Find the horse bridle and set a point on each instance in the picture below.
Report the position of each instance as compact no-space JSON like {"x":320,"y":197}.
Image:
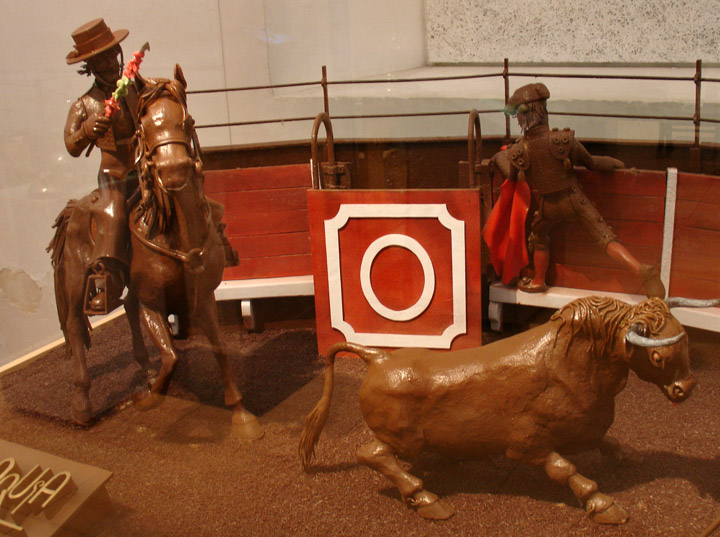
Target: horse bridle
{"x":147,"y":171}
{"x":144,"y":151}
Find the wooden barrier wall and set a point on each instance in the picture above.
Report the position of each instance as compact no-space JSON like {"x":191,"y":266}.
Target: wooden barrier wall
{"x":267,"y":219}
{"x":696,"y":246}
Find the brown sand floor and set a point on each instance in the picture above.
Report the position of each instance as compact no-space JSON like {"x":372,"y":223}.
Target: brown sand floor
{"x":179,"y":471}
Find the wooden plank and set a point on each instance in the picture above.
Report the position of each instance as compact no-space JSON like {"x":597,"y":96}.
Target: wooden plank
{"x":622,"y":182}
{"x":262,"y":201}
{"x":630,"y":233}
{"x":622,"y":207}
{"x":630,"y":208}
{"x":270,"y":267}
{"x":261,"y":178}
{"x":589,"y":254}
{"x":697,"y":187}
{"x":690,"y":242}
{"x":595,"y":278}
{"x":698,"y":214}
{"x":272,"y":245}
{"x":243,"y":224}
{"x":691,"y":287}
{"x":698,"y":266}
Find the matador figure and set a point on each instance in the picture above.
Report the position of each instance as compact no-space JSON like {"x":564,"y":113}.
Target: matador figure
{"x":546,"y":158}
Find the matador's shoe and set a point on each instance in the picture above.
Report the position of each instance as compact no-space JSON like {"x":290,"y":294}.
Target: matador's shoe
{"x":652,"y":284}
{"x":526,"y":284}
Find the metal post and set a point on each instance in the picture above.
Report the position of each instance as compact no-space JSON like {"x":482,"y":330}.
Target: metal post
{"x":326,"y":101}
{"x":506,"y":80}
{"x":695,"y":160}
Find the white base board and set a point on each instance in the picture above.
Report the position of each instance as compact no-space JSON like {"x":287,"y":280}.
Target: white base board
{"x":30,"y":357}
{"x":557,"y":297}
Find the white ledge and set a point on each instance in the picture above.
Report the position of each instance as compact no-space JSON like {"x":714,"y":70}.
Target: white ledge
{"x":557,"y":297}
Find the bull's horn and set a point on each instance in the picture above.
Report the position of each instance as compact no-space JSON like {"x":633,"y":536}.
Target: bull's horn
{"x":641,"y":341}
{"x":680,"y":302}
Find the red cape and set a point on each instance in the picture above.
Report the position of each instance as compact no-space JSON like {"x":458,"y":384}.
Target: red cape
{"x":504,"y":232}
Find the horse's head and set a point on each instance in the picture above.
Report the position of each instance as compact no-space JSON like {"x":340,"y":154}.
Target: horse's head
{"x":167,"y":149}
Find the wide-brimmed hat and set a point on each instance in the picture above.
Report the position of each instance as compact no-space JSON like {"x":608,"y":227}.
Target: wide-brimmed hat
{"x":526,"y":94}
{"x":93,"y":38}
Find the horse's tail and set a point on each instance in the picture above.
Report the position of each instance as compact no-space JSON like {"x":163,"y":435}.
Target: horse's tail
{"x":315,"y":421}
{"x":57,"y":249}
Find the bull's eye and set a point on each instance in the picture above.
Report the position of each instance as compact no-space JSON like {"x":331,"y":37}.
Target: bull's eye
{"x":657,"y":360}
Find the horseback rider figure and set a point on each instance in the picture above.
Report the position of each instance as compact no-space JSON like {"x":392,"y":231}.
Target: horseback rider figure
{"x":88,"y":126}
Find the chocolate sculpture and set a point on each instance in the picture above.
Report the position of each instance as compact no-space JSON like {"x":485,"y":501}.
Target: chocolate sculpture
{"x":88,"y":126}
{"x":534,"y":396}
{"x":178,"y":254}
{"x":546,"y":158}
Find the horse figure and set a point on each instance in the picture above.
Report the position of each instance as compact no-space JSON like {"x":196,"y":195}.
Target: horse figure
{"x":177,"y":254}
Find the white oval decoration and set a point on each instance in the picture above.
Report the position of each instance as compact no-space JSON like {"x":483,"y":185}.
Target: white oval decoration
{"x":428,"y":271}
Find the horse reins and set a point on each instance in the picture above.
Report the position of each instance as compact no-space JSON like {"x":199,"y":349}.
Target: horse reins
{"x":192,"y":258}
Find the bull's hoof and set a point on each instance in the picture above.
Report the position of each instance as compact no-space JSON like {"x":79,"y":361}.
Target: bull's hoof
{"x":627,"y":456}
{"x":151,"y":376}
{"x":619,"y":453}
{"x":245,"y":425}
{"x":146,"y":400}
{"x":429,"y":506}
{"x":604,"y":510}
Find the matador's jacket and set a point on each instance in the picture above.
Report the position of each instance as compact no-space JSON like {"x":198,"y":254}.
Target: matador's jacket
{"x":546,"y":158}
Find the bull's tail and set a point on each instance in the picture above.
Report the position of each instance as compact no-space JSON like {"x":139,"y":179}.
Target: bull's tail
{"x":315,"y":421}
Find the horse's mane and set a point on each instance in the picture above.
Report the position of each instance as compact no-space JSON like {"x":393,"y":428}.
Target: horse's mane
{"x":155,"y":209}
{"x":598,"y":319}
{"x":153,"y":88}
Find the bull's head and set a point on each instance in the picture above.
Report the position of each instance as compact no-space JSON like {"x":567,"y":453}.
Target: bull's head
{"x":657,"y":346}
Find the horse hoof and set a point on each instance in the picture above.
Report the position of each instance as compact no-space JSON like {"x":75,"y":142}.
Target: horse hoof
{"x":604,"y":510}
{"x":146,"y":400}
{"x":150,"y":377}
{"x":246,"y":426}
{"x":429,"y":506}
{"x":82,"y":416}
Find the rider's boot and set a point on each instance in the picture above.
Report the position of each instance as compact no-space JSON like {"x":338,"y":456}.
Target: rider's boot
{"x":106,"y":274}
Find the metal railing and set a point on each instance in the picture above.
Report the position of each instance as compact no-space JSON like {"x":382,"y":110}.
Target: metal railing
{"x":696,"y":119}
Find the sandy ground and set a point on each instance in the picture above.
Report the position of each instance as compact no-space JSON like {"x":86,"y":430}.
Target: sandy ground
{"x":179,"y":470}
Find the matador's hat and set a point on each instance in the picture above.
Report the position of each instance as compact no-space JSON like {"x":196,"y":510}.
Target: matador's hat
{"x":524,"y":95}
{"x":93,"y":38}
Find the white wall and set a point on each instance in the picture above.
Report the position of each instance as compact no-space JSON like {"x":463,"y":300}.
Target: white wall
{"x":573,"y":31}
{"x":218,"y":43}
{"x":232,"y":43}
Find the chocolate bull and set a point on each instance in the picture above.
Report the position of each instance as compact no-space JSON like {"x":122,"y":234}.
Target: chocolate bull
{"x":535,"y":396}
